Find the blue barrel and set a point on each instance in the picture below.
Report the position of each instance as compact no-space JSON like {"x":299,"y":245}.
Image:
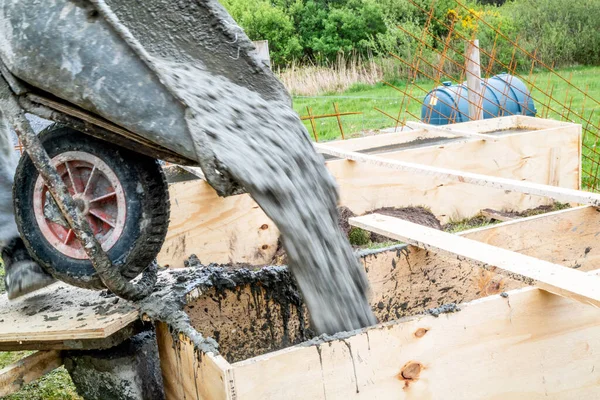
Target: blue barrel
{"x":503,"y":95}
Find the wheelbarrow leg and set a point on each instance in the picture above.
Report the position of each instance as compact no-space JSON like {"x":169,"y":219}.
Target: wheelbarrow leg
{"x":109,"y":274}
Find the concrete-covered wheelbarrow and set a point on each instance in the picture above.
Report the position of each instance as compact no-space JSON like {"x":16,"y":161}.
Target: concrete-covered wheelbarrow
{"x":91,"y":200}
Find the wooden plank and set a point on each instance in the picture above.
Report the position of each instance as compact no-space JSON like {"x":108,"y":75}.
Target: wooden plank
{"x":511,"y":122}
{"x":530,"y":345}
{"x":514,"y":122}
{"x":413,"y":280}
{"x":498,"y":124}
{"x":230,"y":230}
{"x":191,"y":374}
{"x":449,"y":130}
{"x":234,"y":315}
{"x":502,"y":124}
{"x":387,"y":140}
{"x":522,"y":156}
{"x":27,"y":370}
{"x":169,"y":362}
{"x":566,"y":237}
{"x":526,"y":122}
{"x":548,"y":276}
{"x":216,"y":229}
{"x":409,"y":280}
{"x":60,"y":314}
{"x":530,"y":188}
{"x":554,"y":175}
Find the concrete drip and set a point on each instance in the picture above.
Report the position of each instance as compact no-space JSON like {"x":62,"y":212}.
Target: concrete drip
{"x":174,"y":288}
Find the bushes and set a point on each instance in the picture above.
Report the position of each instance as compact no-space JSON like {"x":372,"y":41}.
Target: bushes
{"x":317,"y":31}
{"x":562,"y":32}
{"x":329,"y":28}
{"x":558,"y":32}
{"x":320,"y":30}
{"x":263,"y":21}
{"x":346,"y":29}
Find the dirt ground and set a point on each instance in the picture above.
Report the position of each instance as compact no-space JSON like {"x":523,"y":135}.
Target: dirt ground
{"x":422,"y":216}
{"x":480,"y":220}
{"x":418,"y":215}
{"x":532,"y":211}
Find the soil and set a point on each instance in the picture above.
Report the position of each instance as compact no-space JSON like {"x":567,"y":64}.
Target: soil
{"x":479,"y":220}
{"x":469,"y":223}
{"x":532,"y":211}
{"x":344,"y":215}
{"x":418,"y":215}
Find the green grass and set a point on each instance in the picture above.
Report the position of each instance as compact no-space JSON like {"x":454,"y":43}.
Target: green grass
{"x":56,"y":385}
{"x":468,"y":223}
{"x":364,"y":98}
{"x":360,"y":98}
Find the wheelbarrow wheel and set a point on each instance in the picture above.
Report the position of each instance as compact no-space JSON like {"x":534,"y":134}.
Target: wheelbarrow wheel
{"x":124,"y":196}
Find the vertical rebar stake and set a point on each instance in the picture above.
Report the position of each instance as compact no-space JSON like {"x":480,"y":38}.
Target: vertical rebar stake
{"x":339,"y":119}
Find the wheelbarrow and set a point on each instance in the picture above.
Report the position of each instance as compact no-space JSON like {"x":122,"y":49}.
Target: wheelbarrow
{"x":91,"y":199}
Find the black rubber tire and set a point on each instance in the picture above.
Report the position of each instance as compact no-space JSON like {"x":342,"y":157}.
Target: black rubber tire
{"x":147,"y":199}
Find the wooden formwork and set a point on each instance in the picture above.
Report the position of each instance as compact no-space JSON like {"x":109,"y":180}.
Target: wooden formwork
{"x":235,"y":229}
{"x":527,"y":324}
{"x":509,"y":340}
{"x":525,"y":328}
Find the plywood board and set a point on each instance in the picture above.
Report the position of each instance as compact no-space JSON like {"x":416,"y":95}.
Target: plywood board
{"x":216,"y":229}
{"x":410,"y":280}
{"x":502,"y":125}
{"x":238,"y":319}
{"x":555,"y":278}
{"x":541,"y":342}
{"x":520,"y":122}
{"x":189,"y":374}
{"x":390,"y":141}
{"x":61,"y":316}
{"x":236,"y":230}
{"x":443,"y":129}
{"x":530,"y":345}
{"x":522,"y":156}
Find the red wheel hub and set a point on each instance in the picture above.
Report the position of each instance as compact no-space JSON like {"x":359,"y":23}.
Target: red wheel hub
{"x":97,"y":192}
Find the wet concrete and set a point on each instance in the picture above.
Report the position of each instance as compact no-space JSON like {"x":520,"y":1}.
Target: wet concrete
{"x":444,"y":309}
{"x":244,"y":131}
{"x":256,"y":316}
{"x":176,"y":288}
{"x":265,"y":147}
{"x":130,"y":371}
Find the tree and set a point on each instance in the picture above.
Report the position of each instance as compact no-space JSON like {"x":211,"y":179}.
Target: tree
{"x":263,"y":21}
